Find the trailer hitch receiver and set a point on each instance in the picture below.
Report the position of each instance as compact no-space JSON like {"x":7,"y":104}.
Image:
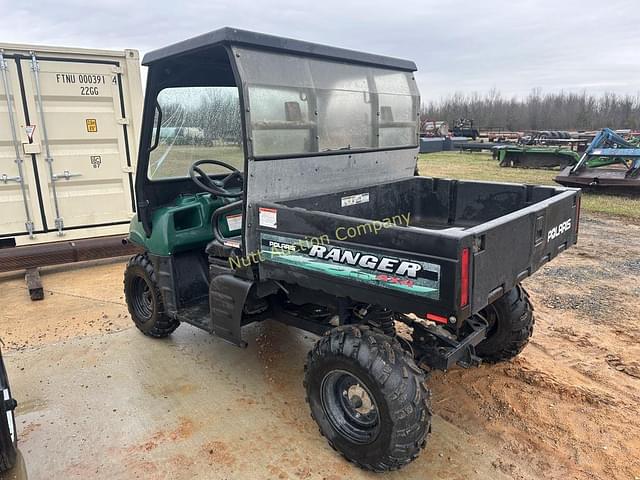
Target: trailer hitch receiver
{"x":437,"y":349}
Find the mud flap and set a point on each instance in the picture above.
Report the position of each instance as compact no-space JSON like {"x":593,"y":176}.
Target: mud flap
{"x":227,"y":296}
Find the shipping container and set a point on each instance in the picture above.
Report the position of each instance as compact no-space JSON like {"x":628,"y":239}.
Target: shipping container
{"x":69,"y":123}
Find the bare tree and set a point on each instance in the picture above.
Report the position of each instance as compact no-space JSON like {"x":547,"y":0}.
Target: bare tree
{"x":538,"y":111}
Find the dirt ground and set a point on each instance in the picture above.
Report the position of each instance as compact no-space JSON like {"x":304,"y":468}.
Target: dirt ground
{"x":567,"y":407}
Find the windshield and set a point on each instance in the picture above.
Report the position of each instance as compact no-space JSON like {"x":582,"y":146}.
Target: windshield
{"x":195,"y":123}
{"x":301,"y":105}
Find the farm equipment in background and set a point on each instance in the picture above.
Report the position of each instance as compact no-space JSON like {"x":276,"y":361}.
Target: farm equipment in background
{"x":500,"y":134}
{"x":547,"y":137}
{"x":610,"y":162}
{"x":433,"y":128}
{"x":463,"y":127}
{"x":478,"y":146}
{"x":534,"y":156}
{"x":542,"y":149}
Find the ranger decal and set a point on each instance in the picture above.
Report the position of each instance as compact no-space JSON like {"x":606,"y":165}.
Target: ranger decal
{"x":407,"y":275}
{"x":371,"y":262}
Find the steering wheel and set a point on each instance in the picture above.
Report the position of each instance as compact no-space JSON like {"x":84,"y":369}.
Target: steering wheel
{"x":215,"y":187}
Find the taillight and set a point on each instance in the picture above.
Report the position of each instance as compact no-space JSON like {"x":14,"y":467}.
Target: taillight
{"x":437,"y":318}
{"x":464,"y":277}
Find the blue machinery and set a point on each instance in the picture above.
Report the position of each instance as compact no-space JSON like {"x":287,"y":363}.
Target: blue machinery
{"x":610,"y":162}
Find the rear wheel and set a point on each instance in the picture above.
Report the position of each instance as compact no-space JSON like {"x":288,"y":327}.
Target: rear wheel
{"x":368,"y":397}
{"x":144,"y":300}
{"x":511,"y":322}
{"x":8,"y":432}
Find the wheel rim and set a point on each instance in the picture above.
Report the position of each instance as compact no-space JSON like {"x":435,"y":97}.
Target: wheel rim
{"x":142,"y":298}
{"x":350,"y":407}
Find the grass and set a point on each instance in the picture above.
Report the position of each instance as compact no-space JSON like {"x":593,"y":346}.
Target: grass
{"x":480,"y":166}
{"x":470,"y":166}
{"x":174,"y":161}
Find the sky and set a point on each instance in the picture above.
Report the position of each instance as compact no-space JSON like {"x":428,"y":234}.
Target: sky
{"x":462,"y":46}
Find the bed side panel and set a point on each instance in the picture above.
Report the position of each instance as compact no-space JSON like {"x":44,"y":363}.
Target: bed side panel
{"x":513,"y":247}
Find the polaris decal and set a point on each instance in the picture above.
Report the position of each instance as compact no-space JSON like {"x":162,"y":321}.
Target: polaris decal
{"x":407,"y":275}
{"x":559,"y":230}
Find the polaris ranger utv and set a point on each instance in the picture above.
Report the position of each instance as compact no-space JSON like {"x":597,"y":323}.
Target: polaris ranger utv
{"x":275,"y":179}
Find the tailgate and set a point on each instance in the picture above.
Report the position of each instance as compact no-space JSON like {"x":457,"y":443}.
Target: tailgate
{"x":509,"y":249}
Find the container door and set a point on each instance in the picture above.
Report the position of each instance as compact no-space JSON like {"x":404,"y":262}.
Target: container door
{"x":83,"y":154}
{"x":19,"y":206}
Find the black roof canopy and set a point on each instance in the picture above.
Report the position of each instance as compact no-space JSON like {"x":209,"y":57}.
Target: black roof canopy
{"x":234,"y":36}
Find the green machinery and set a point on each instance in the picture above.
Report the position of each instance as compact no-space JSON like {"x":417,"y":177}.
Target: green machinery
{"x":535,"y":156}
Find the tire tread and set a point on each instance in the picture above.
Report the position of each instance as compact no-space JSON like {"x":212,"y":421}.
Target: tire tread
{"x":163,"y":325}
{"x":403,"y":387}
{"x":519,"y":322}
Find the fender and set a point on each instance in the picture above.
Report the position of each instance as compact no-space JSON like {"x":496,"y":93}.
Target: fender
{"x":227,"y":296}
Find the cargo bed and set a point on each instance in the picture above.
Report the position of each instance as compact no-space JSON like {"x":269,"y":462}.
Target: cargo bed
{"x":507,"y":230}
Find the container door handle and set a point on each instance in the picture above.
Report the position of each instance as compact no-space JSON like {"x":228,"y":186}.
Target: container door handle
{"x":66,"y":175}
{"x":4,"y":178}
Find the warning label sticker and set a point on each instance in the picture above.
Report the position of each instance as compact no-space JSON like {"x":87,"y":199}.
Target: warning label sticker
{"x":234,"y":222}
{"x":92,"y":125}
{"x":268,"y":217}
{"x":354,"y":199}
{"x":30,"y":129}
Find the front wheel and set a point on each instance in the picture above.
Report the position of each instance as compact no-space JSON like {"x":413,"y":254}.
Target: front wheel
{"x":144,"y":300}
{"x":368,"y":398}
{"x":511,"y":322}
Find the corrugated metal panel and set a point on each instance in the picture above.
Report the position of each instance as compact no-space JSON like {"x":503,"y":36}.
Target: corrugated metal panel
{"x":77,"y":120}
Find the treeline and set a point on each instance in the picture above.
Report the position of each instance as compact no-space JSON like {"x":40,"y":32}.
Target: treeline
{"x":550,"y":111}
